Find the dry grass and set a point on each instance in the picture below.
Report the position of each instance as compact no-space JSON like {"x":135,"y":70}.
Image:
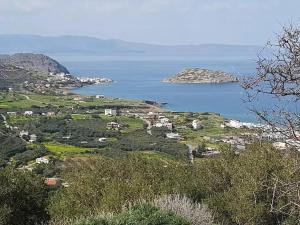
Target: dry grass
{"x":197,"y":214}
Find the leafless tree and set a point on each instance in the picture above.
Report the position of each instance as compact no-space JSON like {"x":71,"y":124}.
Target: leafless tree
{"x":278,"y":78}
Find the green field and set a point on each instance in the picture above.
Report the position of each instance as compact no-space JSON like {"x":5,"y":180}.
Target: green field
{"x":22,"y":101}
{"x":62,"y":149}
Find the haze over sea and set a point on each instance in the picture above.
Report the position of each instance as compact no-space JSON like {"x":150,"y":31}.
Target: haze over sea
{"x":140,"y":78}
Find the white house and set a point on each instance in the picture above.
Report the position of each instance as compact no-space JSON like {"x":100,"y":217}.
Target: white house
{"x":197,"y":124}
{"x":23,"y":133}
{"x":50,"y":114}
{"x":28,"y":113}
{"x":158,"y":125}
{"x":173,"y":135}
{"x":168,"y":125}
{"x":99,"y":96}
{"x":102,"y":140}
{"x":234,"y":124}
{"x":33,"y":138}
{"x":113,"y":126}
{"x":164,"y":120}
{"x":42,"y":160}
{"x":110,"y":112}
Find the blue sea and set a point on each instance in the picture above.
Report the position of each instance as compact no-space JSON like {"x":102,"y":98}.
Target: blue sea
{"x":141,"y":79}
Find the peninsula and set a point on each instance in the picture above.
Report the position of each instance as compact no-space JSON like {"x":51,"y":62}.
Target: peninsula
{"x":201,"y":76}
{"x":39,"y":73}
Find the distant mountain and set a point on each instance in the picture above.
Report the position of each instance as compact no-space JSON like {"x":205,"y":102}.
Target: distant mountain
{"x":35,"y":62}
{"x":10,"y":44}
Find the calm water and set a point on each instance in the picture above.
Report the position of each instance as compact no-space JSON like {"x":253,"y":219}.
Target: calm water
{"x":141,"y":79}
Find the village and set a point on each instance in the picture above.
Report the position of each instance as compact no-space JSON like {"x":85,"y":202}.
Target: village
{"x":80,"y":125}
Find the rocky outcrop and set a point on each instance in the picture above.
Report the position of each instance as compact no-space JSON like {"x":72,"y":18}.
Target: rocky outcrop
{"x":35,"y":62}
{"x":201,"y":76}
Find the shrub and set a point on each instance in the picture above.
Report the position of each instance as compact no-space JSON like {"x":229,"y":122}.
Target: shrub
{"x":196,"y":213}
{"x":142,"y":214}
{"x":23,"y":198}
{"x":107,"y":184}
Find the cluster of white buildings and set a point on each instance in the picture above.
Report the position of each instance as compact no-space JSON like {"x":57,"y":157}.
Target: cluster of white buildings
{"x":238,"y":124}
{"x":32,"y":137}
{"x":94,"y":80}
{"x":163,"y":121}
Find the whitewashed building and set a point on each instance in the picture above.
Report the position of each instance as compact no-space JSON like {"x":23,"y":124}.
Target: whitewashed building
{"x":28,"y":113}
{"x":110,"y":112}
{"x":23,"y":133}
{"x":33,"y":138}
{"x":102,"y":140}
{"x":173,"y":135}
{"x":197,"y":125}
{"x":42,"y":160}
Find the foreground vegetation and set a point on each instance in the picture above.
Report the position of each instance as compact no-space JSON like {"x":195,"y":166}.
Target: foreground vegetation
{"x":238,"y":189}
{"x":105,"y":182}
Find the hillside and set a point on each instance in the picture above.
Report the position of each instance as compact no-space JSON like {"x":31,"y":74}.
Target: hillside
{"x":32,"y":72}
{"x":10,"y":44}
{"x":201,"y":76}
{"x":36,"y":62}
{"x":12,"y":76}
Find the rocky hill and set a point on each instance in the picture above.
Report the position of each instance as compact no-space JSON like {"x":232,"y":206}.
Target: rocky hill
{"x":201,"y":76}
{"x":35,"y":62}
{"x":39,"y":73}
{"x":32,"y":72}
{"x":12,"y":76}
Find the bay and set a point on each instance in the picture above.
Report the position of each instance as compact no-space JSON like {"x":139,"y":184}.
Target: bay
{"x":141,"y":79}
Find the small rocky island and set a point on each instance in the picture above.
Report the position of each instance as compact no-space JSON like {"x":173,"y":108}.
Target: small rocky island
{"x":201,"y":76}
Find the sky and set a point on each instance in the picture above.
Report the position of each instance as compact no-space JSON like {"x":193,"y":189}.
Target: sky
{"x":171,"y":22}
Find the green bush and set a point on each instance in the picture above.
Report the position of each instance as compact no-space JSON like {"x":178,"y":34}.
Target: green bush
{"x":240,"y":189}
{"x":107,"y":184}
{"x":143,"y":214}
{"x":23,"y":198}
